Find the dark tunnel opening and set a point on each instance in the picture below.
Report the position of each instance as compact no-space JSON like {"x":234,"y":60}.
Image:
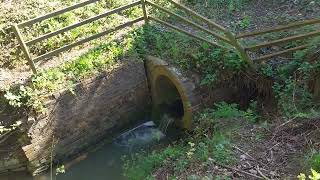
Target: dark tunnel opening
{"x":168,"y":99}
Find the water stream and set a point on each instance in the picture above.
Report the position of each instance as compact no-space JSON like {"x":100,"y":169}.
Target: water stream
{"x":104,"y":163}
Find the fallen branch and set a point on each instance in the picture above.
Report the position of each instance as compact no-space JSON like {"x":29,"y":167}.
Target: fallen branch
{"x":245,"y":153}
{"x":238,"y":170}
{"x":261,"y":174}
{"x":287,"y":122}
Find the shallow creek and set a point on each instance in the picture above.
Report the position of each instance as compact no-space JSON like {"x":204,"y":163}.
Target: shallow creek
{"x":105,"y":163}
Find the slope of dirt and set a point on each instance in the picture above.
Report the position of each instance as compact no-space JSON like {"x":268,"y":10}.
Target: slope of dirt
{"x":274,"y":151}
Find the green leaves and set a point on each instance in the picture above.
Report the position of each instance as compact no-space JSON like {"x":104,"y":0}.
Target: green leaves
{"x":314,"y":175}
{"x":25,"y":97}
{"x":14,"y":100}
{"x":12,"y":127}
{"x":60,"y":170}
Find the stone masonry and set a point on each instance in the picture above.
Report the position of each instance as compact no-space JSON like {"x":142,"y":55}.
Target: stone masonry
{"x":100,"y":107}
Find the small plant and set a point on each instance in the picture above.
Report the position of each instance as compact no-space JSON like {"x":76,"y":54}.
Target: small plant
{"x":12,"y":127}
{"x":221,"y":151}
{"x":60,"y":170}
{"x":226,"y":111}
{"x":314,"y":175}
{"x":140,"y":165}
{"x":267,"y":70}
{"x":315,"y":161}
{"x":191,"y":150}
{"x":202,"y":152}
{"x":24,"y":97}
{"x":251,"y":113}
{"x":245,"y":22}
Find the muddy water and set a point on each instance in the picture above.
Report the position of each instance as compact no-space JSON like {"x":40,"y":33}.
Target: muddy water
{"x":104,"y":163}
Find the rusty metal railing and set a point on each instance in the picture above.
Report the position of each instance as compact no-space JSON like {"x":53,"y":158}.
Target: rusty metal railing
{"x":215,"y":30}
{"x":227,"y":36}
{"x":24,"y":44}
{"x":282,"y":40}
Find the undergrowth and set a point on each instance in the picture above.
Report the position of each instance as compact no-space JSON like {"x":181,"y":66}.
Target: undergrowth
{"x":294,"y":84}
{"x":209,"y":143}
{"x":230,"y":5}
{"x":213,"y":64}
{"x":104,"y":57}
{"x":15,"y":12}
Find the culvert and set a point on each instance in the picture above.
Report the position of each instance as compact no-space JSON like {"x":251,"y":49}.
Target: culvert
{"x":172,"y":93}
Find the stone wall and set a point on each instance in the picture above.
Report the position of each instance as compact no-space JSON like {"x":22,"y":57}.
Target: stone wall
{"x":100,"y":107}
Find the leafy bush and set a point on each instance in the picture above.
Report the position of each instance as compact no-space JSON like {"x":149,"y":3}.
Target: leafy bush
{"x":213,"y":64}
{"x":314,"y":175}
{"x":315,"y":162}
{"x":292,"y":86}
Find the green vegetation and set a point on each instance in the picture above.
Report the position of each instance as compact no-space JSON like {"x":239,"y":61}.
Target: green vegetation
{"x":314,"y":175}
{"x":16,"y":12}
{"x":4,"y":130}
{"x":229,"y":5}
{"x":210,"y":143}
{"x":315,"y":162}
{"x":292,"y":84}
{"x":213,"y":64}
{"x":102,"y":58}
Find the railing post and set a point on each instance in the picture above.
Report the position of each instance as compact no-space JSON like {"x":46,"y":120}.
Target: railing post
{"x":243,"y":54}
{"x":144,"y":9}
{"x":24,"y":48}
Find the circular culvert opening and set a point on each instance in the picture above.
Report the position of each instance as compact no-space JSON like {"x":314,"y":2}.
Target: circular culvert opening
{"x":169,"y":107}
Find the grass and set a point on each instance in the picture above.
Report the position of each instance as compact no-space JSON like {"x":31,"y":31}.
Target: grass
{"x":15,"y":12}
{"x":104,"y":57}
{"x":139,"y":167}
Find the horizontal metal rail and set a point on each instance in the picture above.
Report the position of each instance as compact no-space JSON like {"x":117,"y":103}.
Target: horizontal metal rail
{"x":190,"y":23}
{"x":89,"y":20}
{"x":55,"y":13}
{"x":279,"y":28}
{"x":269,"y":56}
{"x":229,"y":39}
{"x":224,"y":35}
{"x":193,"y":13}
{"x":284,"y":40}
{"x":186,"y":32}
{"x":67,"y":47}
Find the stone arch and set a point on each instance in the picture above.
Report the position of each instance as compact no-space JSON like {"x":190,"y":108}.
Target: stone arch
{"x":171,"y":90}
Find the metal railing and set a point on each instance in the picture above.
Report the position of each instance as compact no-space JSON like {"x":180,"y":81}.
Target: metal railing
{"x":227,"y":36}
{"x":223,"y":34}
{"x":24,"y":44}
{"x":282,"y":40}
